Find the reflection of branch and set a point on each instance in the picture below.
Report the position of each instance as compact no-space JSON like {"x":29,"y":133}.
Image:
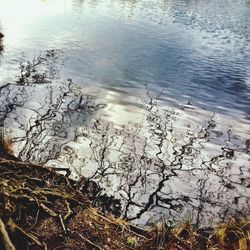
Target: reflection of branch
{"x":1,"y":43}
{"x":164,"y":162}
{"x":42,"y":69}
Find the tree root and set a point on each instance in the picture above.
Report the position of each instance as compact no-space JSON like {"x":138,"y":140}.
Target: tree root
{"x":14,"y":228}
{"x":5,"y":237}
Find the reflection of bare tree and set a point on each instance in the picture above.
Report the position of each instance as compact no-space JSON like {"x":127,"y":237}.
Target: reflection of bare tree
{"x":1,"y":42}
{"x":166,"y":164}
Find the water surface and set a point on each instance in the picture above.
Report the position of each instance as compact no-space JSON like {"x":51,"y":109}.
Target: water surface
{"x":150,"y":99}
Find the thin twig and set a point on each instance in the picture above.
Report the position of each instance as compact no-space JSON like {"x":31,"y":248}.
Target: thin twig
{"x":87,"y":240}
{"x":37,"y":214}
{"x":62,"y":223}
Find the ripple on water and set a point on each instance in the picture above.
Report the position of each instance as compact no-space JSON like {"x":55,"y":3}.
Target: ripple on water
{"x":159,"y":116}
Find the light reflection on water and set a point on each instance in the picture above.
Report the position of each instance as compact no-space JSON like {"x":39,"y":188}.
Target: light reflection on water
{"x":177,"y":45}
{"x":157,"y":111}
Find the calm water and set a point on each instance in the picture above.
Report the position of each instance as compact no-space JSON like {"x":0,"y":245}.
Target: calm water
{"x":150,"y":99}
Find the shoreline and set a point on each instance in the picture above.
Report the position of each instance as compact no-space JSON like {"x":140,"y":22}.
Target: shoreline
{"x":43,"y":209}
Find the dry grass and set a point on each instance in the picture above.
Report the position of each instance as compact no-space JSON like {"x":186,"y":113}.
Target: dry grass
{"x":235,"y":234}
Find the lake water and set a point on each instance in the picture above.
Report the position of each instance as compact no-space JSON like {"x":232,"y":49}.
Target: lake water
{"x":149,"y":99}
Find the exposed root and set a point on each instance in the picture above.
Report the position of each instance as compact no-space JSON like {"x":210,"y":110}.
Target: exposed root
{"x":14,"y":228}
{"x":42,"y":209}
{"x":5,"y":237}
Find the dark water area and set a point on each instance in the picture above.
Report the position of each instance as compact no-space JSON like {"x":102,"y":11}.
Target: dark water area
{"x":149,"y":99}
